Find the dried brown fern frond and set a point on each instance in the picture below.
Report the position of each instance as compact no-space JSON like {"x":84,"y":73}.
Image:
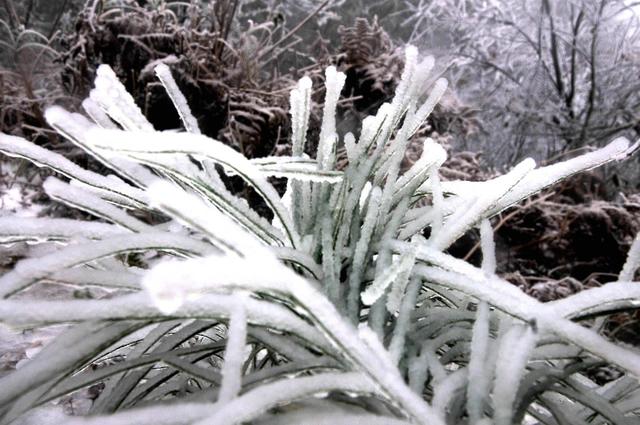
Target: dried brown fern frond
{"x":232,"y":94}
{"x":370,"y":61}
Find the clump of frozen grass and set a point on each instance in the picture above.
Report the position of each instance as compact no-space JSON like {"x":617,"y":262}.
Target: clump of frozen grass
{"x":339,"y":308}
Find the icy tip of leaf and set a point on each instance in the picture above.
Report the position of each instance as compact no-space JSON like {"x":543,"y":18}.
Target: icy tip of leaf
{"x":161,"y":69}
{"x":424,"y":70}
{"x":304,"y":83}
{"x":440,"y":86}
{"x":523,"y":167}
{"x":623,"y":148}
{"x":105,"y":70}
{"x":431,"y":149}
{"x":330,"y":72}
{"x":89,"y":103}
{"x":619,"y":144}
{"x":55,"y":115}
{"x":411,"y":53}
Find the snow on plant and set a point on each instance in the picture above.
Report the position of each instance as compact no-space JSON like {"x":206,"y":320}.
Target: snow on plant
{"x":338,"y":308}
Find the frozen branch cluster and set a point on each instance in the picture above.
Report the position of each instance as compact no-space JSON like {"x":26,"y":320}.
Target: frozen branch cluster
{"x":339,"y":307}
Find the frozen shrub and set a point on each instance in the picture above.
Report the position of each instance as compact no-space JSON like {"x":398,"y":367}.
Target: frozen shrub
{"x":337,"y":311}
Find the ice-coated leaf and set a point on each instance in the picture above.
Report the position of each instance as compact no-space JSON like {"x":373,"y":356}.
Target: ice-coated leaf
{"x":30,"y":271}
{"x":97,"y":114}
{"x":477,"y":208}
{"x":193,"y":212}
{"x":164,"y":75}
{"x":291,"y":340}
{"x":362,"y":247}
{"x":37,"y":230}
{"x":397,"y":274}
{"x":334,"y":81}
{"x":139,"y":306}
{"x":298,"y":168}
{"x":446,"y":389}
{"x":17,"y":147}
{"x":352,"y":149}
{"x":406,"y":308}
{"x":488,"y":247}
{"x":433,"y":156}
{"x":82,"y":276}
{"x":114,"y":99}
{"x":607,"y":298}
{"x":512,"y":301}
{"x":142,"y":145}
{"x":633,"y":261}
{"x":88,"y":202}
{"x":245,"y":408}
{"x":425,"y":110}
{"x":300,"y":100}
{"x":545,"y":176}
{"x":87,"y":340}
{"x":234,"y":352}
{"x":479,"y":374}
{"x":515,"y":347}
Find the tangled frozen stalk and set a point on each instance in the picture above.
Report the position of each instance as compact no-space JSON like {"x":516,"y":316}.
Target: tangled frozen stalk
{"x":338,"y":308}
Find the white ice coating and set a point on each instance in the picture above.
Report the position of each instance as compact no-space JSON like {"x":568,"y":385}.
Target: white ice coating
{"x":433,"y":156}
{"x":399,"y":284}
{"x":403,"y":322}
{"x":29,"y":271}
{"x":193,"y":212}
{"x":362,"y":247}
{"x":172,"y":283}
{"x":609,"y":297}
{"x":300,"y":101}
{"x":371,"y":125}
{"x":234,"y":352}
{"x":438,"y":90}
{"x":84,"y":200}
{"x":514,"y":351}
{"x":96,"y":113}
{"x":75,"y":126}
{"x":18,"y":147}
{"x":179,"y":101}
{"x":477,"y":207}
{"x":147,"y":144}
{"x":398,"y":275}
{"x":488,"y":247}
{"x":351,"y":147}
{"x":403,"y":94}
{"x":508,"y":298}
{"x":542,"y":177}
{"x":114,"y":99}
{"x":445,"y":390}
{"x":438,"y":203}
{"x":16,"y":229}
{"x":633,"y":261}
{"x":300,"y":170}
{"x":334,"y":82}
{"x":479,"y":375}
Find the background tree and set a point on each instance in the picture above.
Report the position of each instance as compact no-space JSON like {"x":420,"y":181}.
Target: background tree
{"x":551,"y":76}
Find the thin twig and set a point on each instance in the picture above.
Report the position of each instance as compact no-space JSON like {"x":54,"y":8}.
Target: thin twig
{"x":294,"y":29}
